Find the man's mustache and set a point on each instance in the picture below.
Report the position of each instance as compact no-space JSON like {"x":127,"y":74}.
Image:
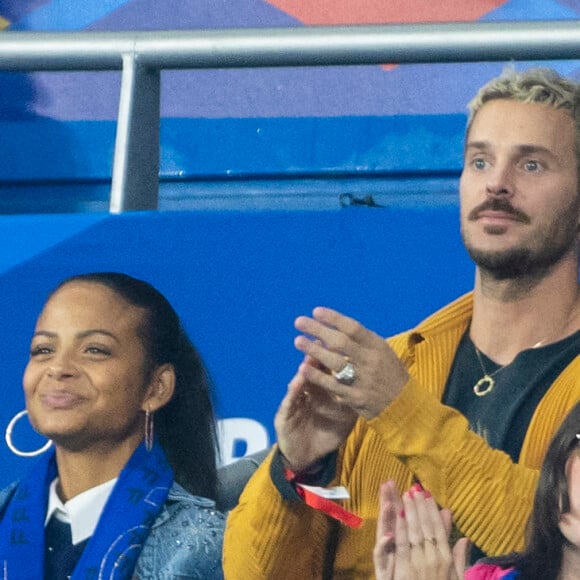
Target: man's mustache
{"x":502,"y":205}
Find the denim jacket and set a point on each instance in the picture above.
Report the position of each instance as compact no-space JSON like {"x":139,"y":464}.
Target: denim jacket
{"x":185,"y":541}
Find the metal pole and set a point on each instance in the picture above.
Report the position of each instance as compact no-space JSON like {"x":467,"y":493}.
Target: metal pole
{"x":135,"y":180}
{"x":142,"y":55}
{"x":311,"y":46}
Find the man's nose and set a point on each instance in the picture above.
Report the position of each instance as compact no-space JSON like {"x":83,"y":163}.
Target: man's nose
{"x":500,"y":181}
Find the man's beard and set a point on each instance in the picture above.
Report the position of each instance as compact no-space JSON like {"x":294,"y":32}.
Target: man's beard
{"x":553,"y":241}
{"x":517,"y":262}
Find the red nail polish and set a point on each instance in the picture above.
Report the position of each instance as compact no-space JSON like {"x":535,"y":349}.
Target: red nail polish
{"x":427,"y":494}
{"x":402,"y":513}
{"x":417,"y":487}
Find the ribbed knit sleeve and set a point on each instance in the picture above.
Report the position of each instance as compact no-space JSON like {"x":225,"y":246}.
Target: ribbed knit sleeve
{"x":489,"y":496}
{"x":268,"y":537}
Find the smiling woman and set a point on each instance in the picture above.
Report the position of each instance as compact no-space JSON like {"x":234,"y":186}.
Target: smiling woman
{"x":118,"y":387}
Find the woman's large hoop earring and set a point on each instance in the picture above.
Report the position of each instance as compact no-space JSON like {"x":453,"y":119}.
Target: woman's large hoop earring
{"x":149,"y":430}
{"x":13,"y":448}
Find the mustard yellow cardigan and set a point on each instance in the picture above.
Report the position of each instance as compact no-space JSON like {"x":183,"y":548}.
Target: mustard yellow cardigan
{"x":490,"y":496}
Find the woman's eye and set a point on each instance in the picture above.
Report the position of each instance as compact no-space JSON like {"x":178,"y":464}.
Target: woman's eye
{"x":40,"y":350}
{"x":479,"y":163}
{"x":98,"y":350}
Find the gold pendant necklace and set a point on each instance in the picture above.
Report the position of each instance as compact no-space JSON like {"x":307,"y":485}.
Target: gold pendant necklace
{"x":486,"y":384}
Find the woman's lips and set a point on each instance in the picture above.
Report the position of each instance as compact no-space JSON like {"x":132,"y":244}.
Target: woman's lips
{"x":61,"y":399}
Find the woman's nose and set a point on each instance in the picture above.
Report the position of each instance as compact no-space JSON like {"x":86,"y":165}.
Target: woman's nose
{"x":61,"y":366}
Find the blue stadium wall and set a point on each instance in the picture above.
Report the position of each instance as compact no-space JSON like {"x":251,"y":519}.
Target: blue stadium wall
{"x":264,"y":179}
{"x":239,"y":279}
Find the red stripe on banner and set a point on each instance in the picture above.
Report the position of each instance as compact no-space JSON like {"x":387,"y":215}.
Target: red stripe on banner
{"x":336,"y":12}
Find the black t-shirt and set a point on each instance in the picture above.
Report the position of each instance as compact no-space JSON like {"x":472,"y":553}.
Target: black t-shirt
{"x":503,"y":415}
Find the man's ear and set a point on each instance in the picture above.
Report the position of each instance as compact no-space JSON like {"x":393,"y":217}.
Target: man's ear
{"x":161,"y":388}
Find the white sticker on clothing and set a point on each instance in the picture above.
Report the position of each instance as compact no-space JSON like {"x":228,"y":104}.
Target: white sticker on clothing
{"x":338,"y":492}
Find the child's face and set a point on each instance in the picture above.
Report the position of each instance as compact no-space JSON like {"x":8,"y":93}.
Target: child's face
{"x":570,"y":522}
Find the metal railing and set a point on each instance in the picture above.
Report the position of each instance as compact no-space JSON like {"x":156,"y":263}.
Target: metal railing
{"x":142,"y":55}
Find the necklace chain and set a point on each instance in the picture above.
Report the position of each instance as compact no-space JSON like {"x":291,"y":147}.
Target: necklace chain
{"x":487,"y":383}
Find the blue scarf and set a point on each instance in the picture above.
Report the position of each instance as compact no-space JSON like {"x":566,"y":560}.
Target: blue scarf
{"x":113,"y":550}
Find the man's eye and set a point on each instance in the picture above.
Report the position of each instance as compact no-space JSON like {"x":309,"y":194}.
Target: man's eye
{"x":479,"y":164}
{"x":532,"y":166}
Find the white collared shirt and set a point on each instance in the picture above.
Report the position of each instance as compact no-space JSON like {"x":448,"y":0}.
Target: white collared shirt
{"x":82,"y":512}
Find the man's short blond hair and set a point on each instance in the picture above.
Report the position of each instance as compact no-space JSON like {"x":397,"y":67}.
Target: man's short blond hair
{"x":536,"y":85}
